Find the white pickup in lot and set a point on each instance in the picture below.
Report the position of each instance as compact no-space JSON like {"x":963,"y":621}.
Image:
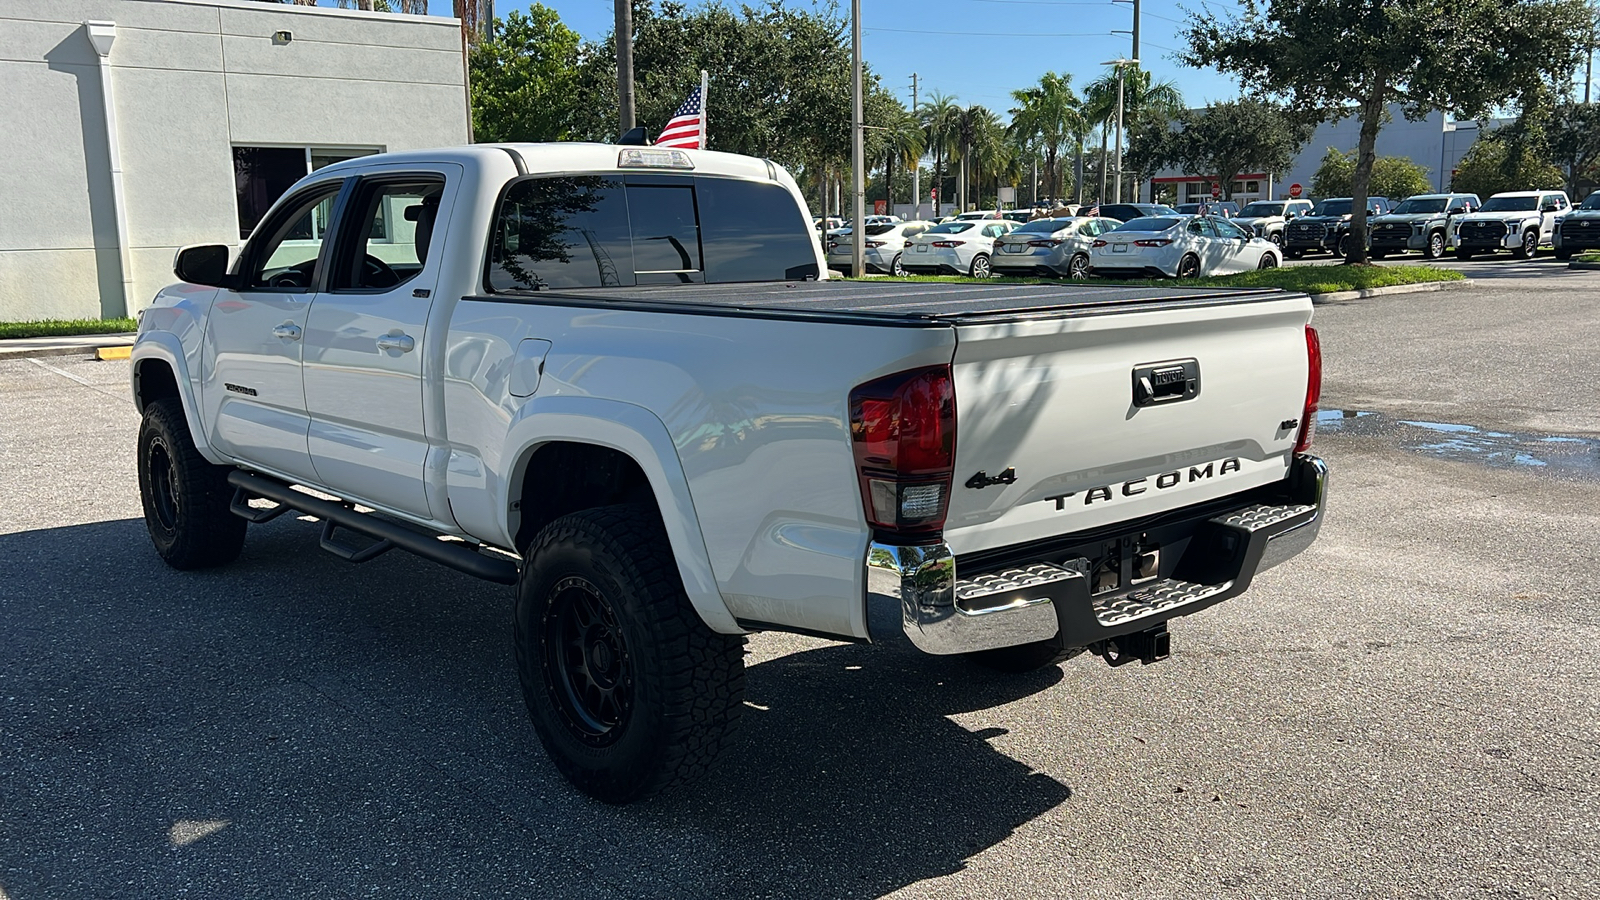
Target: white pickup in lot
{"x":611,"y":377}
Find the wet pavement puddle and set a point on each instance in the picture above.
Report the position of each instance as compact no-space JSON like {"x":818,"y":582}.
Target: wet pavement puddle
{"x":1551,"y":454}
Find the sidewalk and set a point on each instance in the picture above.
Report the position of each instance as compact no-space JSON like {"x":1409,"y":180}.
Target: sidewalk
{"x":82,"y":345}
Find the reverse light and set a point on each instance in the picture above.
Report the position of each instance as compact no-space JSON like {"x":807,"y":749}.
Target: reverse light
{"x":903,"y":433}
{"x":1308,"y":416}
{"x":1153,"y":242}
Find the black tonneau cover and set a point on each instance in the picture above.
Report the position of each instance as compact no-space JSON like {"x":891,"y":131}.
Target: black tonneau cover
{"x":894,"y":302}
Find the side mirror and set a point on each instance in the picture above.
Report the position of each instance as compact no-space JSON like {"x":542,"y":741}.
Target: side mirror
{"x":205,"y":264}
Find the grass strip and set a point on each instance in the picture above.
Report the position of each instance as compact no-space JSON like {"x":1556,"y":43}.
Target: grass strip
{"x":65,"y":327}
{"x":1592,"y":256}
{"x":1308,"y":279}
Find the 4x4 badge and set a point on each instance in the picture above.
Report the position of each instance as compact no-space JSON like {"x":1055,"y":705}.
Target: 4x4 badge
{"x":984,"y":479}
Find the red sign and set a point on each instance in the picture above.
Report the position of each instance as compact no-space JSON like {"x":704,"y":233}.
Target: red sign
{"x":1216,"y":190}
{"x":933,"y":193}
{"x":1294,"y":190}
{"x":879,"y":207}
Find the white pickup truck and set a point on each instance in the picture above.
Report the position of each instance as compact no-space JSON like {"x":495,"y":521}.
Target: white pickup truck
{"x":616,"y":378}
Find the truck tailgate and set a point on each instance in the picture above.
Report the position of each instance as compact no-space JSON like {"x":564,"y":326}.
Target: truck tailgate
{"x":1050,"y":411}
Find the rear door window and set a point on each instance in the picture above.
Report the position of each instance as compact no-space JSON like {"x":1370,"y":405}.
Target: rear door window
{"x":561,"y":233}
{"x":754,"y":231}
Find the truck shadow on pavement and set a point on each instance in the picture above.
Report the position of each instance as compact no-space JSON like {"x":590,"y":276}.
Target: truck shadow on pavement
{"x":292,"y":725}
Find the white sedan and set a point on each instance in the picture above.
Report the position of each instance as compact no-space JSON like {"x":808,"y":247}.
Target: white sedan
{"x":1179,"y":247}
{"x":884,"y":244}
{"x":1049,"y":247}
{"x":955,"y":248}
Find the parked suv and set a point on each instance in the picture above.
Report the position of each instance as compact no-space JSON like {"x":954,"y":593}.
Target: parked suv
{"x":1224,"y":208}
{"x":1268,"y":218}
{"x":1514,"y":220}
{"x":1424,"y":222}
{"x":1327,"y":226}
{"x":1579,"y":229}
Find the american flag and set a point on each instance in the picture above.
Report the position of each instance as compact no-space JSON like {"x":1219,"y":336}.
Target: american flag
{"x":687,"y":127}
{"x":1093,"y":211}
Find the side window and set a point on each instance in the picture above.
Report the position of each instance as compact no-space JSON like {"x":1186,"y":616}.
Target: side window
{"x":753,"y":231}
{"x":561,"y":233}
{"x":666,"y":233}
{"x":993,"y":231}
{"x":287,"y":257}
{"x":1198,"y":226}
{"x":1090,"y":228}
{"x":388,"y":235}
{"x":1226,"y":230}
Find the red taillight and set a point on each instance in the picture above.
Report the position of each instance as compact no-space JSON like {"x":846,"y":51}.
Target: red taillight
{"x":948,"y":243}
{"x":874,"y":243}
{"x":1308,"y":416}
{"x":1098,"y":243}
{"x":1153,"y":242}
{"x":903,"y":431}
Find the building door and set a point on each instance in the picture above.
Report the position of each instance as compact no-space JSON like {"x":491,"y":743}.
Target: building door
{"x":253,"y":392}
{"x":366,"y":334}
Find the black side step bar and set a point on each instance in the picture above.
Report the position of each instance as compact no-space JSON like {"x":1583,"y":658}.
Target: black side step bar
{"x":457,"y":556}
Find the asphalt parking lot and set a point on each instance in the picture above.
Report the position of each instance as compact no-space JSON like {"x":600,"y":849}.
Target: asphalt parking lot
{"x":1410,"y":709}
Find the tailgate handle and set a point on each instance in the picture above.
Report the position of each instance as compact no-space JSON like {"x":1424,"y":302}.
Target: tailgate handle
{"x":1173,"y":381}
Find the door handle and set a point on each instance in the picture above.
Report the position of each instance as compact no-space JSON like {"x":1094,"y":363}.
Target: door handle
{"x":287,"y":331}
{"x":402,"y":342}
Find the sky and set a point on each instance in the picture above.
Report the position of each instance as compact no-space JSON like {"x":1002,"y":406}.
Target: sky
{"x":979,"y":50}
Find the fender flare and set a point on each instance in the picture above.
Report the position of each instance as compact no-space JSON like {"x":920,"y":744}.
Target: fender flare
{"x":638,"y":433}
{"x":165,"y":347}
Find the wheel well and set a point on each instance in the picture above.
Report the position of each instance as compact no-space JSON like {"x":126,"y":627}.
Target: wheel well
{"x":153,"y":381}
{"x":563,"y":477}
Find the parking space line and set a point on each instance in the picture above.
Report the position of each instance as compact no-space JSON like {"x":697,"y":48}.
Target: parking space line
{"x":79,"y":379}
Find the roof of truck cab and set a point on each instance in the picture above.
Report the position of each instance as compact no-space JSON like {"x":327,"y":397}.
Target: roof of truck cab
{"x":567,"y":156}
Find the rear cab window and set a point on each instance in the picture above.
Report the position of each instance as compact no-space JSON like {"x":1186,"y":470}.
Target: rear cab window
{"x":626,"y":229}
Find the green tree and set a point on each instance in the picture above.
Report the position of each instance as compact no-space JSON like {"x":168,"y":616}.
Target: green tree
{"x":1048,"y":116}
{"x":1147,"y":106}
{"x":1229,"y":139}
{"x":525,"y":78}
{"x":1333,"y":58}
{"x":1575,"y":145}
{"x":1494,"y":164}
{"x":940,"y":117}
{"x":1395,"y":177}
{"x":898,"y":141}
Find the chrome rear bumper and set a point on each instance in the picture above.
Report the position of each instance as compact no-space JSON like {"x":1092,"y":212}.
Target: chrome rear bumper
{"x":944,"y":614}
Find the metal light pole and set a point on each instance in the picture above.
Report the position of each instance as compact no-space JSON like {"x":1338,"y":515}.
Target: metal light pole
{"x":858,"y":231}
{"x":1121,"y":65}
{"x":916,"y":170}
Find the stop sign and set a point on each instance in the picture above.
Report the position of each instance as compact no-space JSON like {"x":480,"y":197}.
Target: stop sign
{"x":1294,"y":190}
{"x":1216,"y":190}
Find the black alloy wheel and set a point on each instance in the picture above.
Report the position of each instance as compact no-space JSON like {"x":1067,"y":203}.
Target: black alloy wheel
{"x":586,"y":663}
{"x":1268,"y":261}
{"x":1189,"y":266}
{"x":186,"y":499}
{"x":1530,"y":244}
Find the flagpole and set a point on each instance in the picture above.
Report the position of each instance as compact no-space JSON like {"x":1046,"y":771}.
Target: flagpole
{"x":705,"y":107}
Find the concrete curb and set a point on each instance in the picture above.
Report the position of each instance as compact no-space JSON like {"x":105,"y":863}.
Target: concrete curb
{"x":1583,"y":265}
{"x":84,"y":345}
{"x":1419,"y":288}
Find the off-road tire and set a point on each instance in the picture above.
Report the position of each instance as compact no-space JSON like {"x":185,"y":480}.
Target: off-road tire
{"x":1277,"y":238}
{"x":1528,"y":249}
{"x":1341,"y":249}
{"x":678,"y":686}
{"x":1024,"y":657}
{"x":186,"y":499}
{"x":1434,"y":248}
{"x":980,"y":267}
{"x":1563,"y":255}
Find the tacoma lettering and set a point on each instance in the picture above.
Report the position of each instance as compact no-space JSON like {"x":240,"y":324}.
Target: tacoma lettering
{"x":1137,"y":486}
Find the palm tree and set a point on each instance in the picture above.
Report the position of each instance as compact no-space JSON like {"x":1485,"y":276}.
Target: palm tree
{"x":969,"y":123}
{"x":900,"y":139}
{"x":1048,"y":115}
{"x":992,"y":155}
{"x":940,"y":117}
{"x":1143,"y":100}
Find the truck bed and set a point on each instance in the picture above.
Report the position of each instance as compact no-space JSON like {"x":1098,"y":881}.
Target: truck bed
{"x":905,"y":303}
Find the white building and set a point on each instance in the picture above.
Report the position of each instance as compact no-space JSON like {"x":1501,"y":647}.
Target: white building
{"x":129,"y":128}
{"x":1435,"y":143}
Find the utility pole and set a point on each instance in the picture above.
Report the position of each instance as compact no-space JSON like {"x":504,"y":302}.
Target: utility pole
{"x":625,"y":65}
{"x":916,"y":168}
{"x":858,"y":205}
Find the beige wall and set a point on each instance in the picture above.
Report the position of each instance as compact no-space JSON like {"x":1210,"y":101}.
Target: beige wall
{"x":190,"y":80}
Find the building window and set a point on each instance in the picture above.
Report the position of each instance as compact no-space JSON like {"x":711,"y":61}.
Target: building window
{"x":262,"y":174}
